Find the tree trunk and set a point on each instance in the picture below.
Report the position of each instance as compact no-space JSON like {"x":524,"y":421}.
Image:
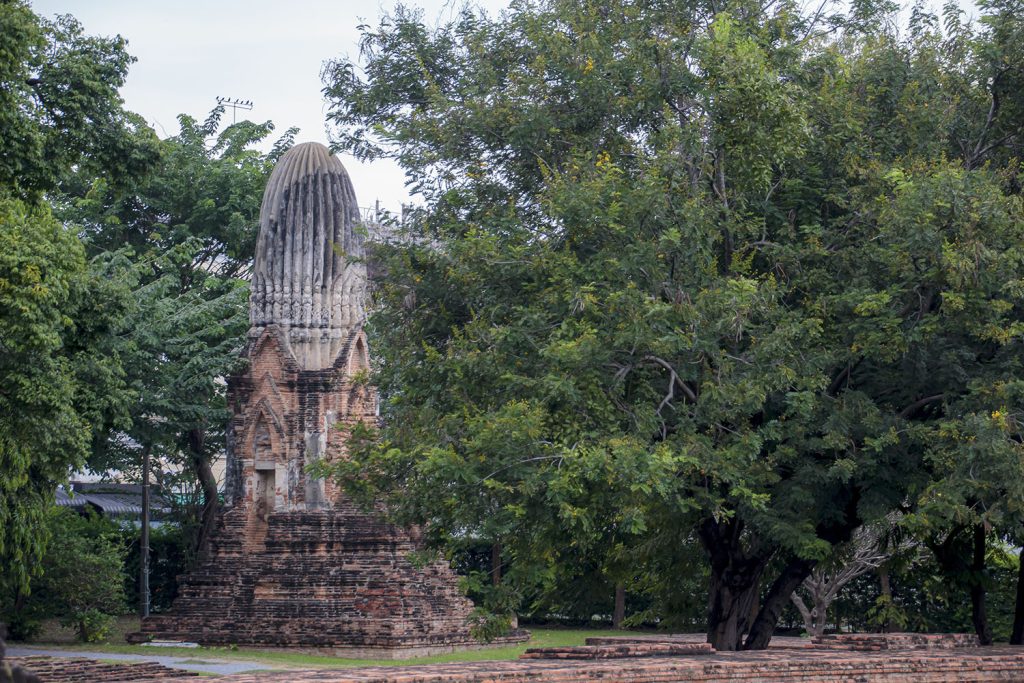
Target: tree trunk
{"x":204,"y":474}
{"x":620,"y":605}
{"x":978,"y":613}
{"x":883,"y":580}
{"x":821,"y":611}
{"x":778,"y":595}
{"x":810,"y":618}
{"x":144,"y":541}
{"x":1017,"y":636}
{"x":496,"y":564}
{"x":731,"y":596}
{"x":735,"y":576}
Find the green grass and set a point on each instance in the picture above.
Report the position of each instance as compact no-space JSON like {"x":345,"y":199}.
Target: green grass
{"x":55,"y":638}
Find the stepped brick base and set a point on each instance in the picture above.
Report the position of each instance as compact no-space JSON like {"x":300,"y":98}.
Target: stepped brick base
{"x":79,"y":670}
{"x":870,"y":642}
{"x":619,"y":651}
{"x":979,"y":665}
{"x":334,"y":581}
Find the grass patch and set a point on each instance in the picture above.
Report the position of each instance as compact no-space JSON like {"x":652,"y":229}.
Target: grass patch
{"x":541,"y":637}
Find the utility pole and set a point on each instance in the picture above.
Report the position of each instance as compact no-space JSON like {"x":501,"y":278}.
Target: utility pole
{"x":144,"y":544}
{"x":235,"y":106}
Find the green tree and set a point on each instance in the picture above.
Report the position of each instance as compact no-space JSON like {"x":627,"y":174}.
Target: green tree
{"x":59,"y":104}
{"x":183,"y":239}
{"x":728,"y":268}
{"x":82,"y":578}
{"x":60,"y":385}
{"x":61,"y":381}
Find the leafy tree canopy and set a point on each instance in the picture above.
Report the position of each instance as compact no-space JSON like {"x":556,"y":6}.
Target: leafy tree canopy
{"x":59,"y":103}
{"x":59,"y":112}
{"x":733,"y":268}
{"x":182,"y":238}
{"x":59,"y":384}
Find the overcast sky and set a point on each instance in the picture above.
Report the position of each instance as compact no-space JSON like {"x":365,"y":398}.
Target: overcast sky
{"x":267,"y":51}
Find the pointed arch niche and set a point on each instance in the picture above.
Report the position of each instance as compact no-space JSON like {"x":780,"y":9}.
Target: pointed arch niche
{"x":359,"y":358}
{"x":266,"y":437}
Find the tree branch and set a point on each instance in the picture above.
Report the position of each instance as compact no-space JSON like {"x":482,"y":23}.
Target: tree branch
{"x":674,"y":377}
{"x":909,"y":411}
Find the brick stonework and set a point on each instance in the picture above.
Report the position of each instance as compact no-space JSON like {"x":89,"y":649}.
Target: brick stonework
{"x":807,"y":665}
{"x":291,"y":563}
{"x":618,"y":651}
{"x":871,"y":642}
{"x":82,"y":670}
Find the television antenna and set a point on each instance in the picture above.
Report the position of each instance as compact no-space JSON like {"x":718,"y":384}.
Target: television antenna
{"x":235,"y":106}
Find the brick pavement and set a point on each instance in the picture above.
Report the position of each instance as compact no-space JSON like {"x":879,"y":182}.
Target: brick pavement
{"x":783,"y":665}
{"x":82,"y":670}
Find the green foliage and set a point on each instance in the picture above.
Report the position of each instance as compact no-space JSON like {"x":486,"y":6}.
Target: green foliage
{"x":182,"y":239}
{"x":692,"y":266}
{"x":82,"y":578}
{"x":59,"y":383}
{"x":62,"y":380}
{"x":59,"y":105}
{"x":170,"y":548}
{"x":887,"y":613}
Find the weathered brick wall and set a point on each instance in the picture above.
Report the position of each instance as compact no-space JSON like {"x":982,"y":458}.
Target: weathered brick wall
{"x":869,"y":642}
{"x":980,"y":665}
{"x":324,"y":579}
{"x":285,"y":417}
{"x":292,"y":564}
{"x":82,"y":670}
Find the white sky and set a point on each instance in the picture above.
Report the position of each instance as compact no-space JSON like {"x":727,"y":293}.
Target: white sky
{"x":267,"y":51}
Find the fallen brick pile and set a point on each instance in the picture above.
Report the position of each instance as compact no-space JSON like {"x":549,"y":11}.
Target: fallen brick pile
{"x":871,"y":642}
{"x":81,"y":670}
{"x":968,"y":665}
{"x":618,"y":650}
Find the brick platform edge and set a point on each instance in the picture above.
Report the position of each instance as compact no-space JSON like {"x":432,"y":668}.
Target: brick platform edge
{"x":618,"y":651}
{"x":977,"y":665}
{"x":869,"y":642}
{"x":10,"y":672}
{"x":78,"y":670}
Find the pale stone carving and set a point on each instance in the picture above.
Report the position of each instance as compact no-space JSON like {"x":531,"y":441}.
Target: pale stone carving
{"x":309,"y":277}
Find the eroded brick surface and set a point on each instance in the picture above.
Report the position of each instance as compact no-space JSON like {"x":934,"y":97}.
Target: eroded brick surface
{"x":81,"y":670}
{"x":867,"y":642}
{"x":291,"y":562}
{"x":618,"y":651}
{"x":813,"y":665}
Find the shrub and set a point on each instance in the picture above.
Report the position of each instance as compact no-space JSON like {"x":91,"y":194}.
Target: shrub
{"x":80,"y":582}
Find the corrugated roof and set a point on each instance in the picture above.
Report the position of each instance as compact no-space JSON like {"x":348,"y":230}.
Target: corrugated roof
{"x":108,"y":503}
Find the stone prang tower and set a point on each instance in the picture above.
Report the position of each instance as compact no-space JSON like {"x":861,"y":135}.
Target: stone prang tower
{"x":292,"y":563}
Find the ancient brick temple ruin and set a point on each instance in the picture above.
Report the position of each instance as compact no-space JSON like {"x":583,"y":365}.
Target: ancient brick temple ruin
{"x":292,"y":564}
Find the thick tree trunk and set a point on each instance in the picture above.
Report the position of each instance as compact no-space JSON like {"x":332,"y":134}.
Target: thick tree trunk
{"x":732,"y":594}
{"x":735,"y":577}
{"x":620,"y":605}
{"x":821,"y":617}
{"x":1017,"y":635}
{"x":208,"y":482}
{"x":978,"y":612}
{"x":775,"y":602}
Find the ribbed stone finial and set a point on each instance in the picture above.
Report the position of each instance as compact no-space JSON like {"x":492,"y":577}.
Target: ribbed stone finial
{"x":309,"y":277}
